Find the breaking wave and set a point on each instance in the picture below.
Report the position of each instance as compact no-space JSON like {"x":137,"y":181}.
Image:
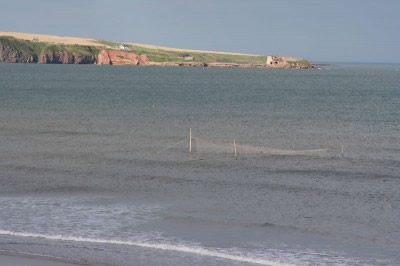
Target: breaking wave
{"x":200,"y":251}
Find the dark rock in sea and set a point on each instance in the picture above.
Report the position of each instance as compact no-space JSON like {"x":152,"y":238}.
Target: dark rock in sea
{"x":64,"y":57}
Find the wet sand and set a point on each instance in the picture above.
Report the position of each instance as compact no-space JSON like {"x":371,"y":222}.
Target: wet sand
{"x":30,"y":260}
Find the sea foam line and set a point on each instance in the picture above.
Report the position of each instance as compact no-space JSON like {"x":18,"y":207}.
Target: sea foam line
{"x":165,"y":247}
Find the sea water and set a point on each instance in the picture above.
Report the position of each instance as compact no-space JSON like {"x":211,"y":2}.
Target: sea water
{"x":89,"y":169}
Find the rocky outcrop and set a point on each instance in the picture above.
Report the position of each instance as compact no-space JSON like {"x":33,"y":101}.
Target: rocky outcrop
{"x":64,"y":57}
{"x":287,"y":62}
{"x":10,"y":54}
{"x":115,"y":57}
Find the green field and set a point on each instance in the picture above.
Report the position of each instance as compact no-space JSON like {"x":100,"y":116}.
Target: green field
{"x":160,"y":55}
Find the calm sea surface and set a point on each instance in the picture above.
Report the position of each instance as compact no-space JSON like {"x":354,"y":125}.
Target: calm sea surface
{"x":94,"y":165}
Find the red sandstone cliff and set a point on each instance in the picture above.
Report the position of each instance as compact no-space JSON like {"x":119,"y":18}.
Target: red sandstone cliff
{"x":115,"y":57}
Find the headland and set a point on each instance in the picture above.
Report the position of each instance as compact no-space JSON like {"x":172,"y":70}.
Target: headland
{"x":50,"y":49}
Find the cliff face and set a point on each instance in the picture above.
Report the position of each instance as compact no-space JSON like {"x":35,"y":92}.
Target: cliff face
{"x":20,"y":51}
{"x":17,"y":51}
{"x":114,"y":57}
{"x":11,"y":54}
{"x":64,"y":57}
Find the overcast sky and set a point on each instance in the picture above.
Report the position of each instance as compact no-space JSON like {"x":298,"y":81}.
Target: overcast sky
{"x":319,"y":30}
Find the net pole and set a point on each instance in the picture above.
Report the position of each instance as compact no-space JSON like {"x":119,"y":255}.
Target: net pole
{"x":235,"y":150}
{"x":342,"y":151}
{"x":190,"y":140}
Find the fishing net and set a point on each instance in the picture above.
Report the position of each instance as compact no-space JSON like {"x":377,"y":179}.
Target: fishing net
{"x":206,"y":146}
{"x":203,"y":145}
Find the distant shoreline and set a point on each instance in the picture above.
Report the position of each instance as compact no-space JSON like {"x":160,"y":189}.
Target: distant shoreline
{"x":48,"y":49}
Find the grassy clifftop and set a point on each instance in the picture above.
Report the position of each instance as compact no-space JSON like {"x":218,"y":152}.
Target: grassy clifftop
{"x":38,"y":48}
{"x":174,"y":55}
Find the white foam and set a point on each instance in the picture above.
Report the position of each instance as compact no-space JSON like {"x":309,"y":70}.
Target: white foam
{"x":166,"y":247}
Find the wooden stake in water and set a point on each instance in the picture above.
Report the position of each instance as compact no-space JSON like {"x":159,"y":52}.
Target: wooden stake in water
{"x":190,"y":140}
{"x":234,"y":147}
{"x":342,"y":151}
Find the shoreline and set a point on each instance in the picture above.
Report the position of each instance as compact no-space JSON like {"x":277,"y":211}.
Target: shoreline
{"x":12,"y":258}
{"x":191,"y":65}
